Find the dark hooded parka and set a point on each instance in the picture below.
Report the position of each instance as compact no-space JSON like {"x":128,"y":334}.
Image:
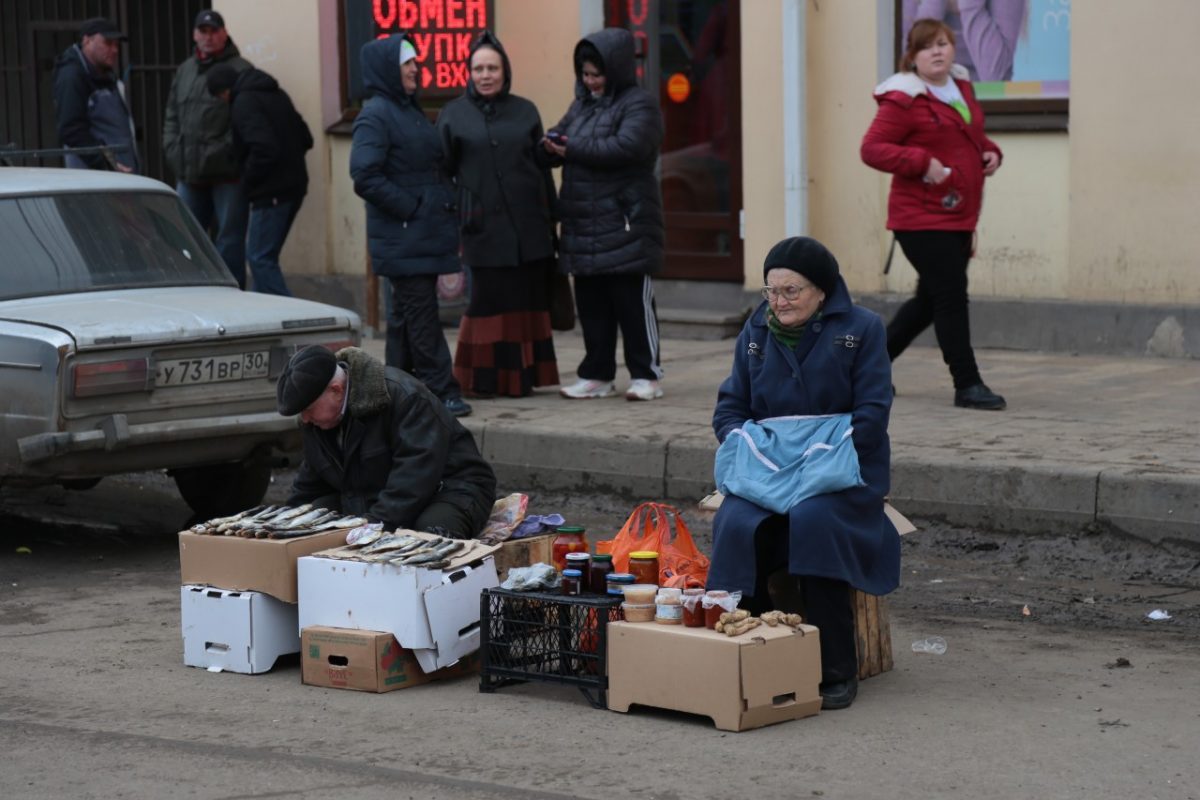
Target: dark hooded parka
{"x":270,"y":139}
{"x":396,"y":164}
{"x":609,"y":204}
{"x":494,"y":154}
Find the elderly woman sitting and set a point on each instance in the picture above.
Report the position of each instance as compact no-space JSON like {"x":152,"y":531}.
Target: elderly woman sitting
{"x":811,"y":377}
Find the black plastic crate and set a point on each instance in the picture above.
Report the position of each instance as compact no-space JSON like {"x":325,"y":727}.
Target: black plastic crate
{"x":548,"y":637}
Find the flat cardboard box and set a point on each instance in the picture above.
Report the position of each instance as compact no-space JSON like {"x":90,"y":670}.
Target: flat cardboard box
{"x":249,"y":565}
{"x":712,"y":501}
{"x":762,"y":677}
{"x":524,"y":553}
{"x":430,"y":611}
{"x":235,"y":631}
{"x":367,"y":661}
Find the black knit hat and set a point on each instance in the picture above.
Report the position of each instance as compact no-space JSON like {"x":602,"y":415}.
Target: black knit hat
{"x":808,"y":257}
{"x":304,"y":378}
{"x":220,"y":78}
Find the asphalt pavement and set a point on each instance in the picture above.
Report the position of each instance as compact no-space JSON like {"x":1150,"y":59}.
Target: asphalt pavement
{"x":1085,"y":439}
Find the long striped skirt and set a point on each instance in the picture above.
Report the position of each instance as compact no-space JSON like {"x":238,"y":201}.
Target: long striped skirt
{"x":505,"y":344}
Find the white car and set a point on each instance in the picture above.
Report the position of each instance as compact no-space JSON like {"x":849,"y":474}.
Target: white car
{"x":125,"y":344}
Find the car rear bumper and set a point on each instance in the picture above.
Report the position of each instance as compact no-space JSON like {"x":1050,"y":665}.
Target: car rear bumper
{"x":115,"y":433}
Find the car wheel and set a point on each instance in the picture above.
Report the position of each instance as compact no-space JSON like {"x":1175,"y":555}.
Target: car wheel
{"x":220,"y":489}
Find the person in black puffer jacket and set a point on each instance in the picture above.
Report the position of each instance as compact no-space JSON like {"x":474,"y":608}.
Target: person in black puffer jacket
{"x":270,"y":139}
{"x":412,"y":223}
{"x":492,"y":141}
{"x":611,"y":212}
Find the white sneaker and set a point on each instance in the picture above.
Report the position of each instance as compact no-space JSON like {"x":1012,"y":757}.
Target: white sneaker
{"x":584,"y":389}
{"x":642,"y":389}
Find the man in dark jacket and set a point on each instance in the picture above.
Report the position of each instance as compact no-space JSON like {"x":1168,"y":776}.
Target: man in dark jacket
{"x":89,"y":100}
{"x":378,"y":444}
{"x":269,"y":139}
{"x":199,"y":143}
{"x":611,"y":212}
{"x":412,"y":224}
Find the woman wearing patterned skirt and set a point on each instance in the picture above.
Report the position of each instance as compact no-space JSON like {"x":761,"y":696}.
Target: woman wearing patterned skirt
{"x":492,"y":146}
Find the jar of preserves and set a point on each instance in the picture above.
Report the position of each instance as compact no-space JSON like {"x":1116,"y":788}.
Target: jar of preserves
{"x":583,"y":563}
{"x":570,"y":539}
{"x":616,"y":583}
{"x":668,"y":608}
{"x":715,"y":603}
{"x":644,"y":566}
{"x":598,"y":574}
{"x":693,"y":611}
{"x":570,"y":582}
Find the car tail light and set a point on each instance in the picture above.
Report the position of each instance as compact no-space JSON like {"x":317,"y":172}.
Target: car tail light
{"x":111,"y":377}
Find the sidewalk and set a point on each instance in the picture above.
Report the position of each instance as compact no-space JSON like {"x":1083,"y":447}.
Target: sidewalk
{"x":1084,"y":439}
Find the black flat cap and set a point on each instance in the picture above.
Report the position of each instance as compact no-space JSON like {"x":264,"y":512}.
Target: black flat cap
{"x":105,"y":27}
{"x":209,"y":19}
{"x":808,"y":257}
{"x":304,"y":378}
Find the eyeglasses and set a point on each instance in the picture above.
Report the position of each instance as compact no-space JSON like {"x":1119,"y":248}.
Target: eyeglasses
{"x":790,"y":292}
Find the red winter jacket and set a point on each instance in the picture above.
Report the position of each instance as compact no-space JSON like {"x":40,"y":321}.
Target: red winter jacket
{"x":910,"y":128}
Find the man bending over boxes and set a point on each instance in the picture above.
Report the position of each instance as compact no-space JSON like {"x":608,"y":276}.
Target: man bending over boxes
{"x":378,"y":444}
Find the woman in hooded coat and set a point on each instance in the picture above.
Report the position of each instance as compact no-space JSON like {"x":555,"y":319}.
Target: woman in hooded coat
{"x":492,"y":144}
{"x":412,"y":230}
{"x":611,"y":212}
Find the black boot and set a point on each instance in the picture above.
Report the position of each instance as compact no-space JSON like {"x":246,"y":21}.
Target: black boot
{"x":838,"y":694}
{"x":979,"y":396}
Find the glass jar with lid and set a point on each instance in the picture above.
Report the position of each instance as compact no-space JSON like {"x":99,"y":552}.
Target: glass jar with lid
{"x":570,"y":539}
{"x":583,"y":563}
{"x":643,"y":564}
{"x":571,"y":582}
{"x":598,"y":574}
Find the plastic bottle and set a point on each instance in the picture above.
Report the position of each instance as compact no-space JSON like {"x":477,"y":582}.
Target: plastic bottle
{"x":934,"y":644}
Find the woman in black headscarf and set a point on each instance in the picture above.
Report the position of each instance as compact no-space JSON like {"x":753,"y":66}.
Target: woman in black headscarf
{"x":492,"y":142}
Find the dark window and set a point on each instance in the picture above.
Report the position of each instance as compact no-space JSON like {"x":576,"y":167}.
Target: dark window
{"x":58,"y":244}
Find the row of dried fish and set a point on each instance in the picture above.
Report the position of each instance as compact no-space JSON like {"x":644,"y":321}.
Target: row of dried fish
{"x":403,"y":549}
{"x":277,"y":522}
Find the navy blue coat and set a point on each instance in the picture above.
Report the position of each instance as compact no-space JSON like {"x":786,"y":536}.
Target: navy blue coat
{"x":841,"y":365}
{"x":396,"y":164}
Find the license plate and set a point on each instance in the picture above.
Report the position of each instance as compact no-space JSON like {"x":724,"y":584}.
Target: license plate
{"x":212,"y":369}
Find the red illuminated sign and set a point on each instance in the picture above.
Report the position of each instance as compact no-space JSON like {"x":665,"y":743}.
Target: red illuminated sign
{"x":441,"y":31}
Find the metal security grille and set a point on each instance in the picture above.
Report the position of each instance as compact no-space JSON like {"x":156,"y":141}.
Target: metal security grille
{"x":34,"y":32}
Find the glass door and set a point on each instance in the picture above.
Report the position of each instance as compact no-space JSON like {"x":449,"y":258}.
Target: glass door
{"x":689,"y":55}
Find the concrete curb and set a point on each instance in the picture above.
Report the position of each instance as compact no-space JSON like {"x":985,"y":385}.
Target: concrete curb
{"x":1036,"y":498}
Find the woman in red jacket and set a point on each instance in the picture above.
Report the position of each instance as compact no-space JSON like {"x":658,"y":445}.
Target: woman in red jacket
{"x":928,"y":133}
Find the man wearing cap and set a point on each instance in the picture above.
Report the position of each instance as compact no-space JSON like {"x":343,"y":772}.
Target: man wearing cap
{"x":199,"y":143}
{"x":378,"y":444}
{"x":89,"y":100}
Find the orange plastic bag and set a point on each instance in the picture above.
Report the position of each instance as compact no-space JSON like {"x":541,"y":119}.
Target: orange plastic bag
{"x":649,"y":527}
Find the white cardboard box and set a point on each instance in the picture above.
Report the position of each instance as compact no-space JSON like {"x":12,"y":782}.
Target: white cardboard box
{"x":434,"y":613}
{"x":236,"y":631}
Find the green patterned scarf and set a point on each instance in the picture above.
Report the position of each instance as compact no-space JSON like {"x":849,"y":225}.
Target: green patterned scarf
{"x":786,"y":336}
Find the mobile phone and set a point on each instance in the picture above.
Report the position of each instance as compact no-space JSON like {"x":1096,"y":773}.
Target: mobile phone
{"x":556,"y":137}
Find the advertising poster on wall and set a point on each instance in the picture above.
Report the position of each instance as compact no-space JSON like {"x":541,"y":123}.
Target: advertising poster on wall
{"x":1014,"y":49}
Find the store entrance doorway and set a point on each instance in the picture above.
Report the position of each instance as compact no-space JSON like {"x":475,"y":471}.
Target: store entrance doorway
{"x":689,"y":58}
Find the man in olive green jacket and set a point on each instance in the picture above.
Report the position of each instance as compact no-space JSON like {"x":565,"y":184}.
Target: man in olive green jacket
{"x":199,"y":144}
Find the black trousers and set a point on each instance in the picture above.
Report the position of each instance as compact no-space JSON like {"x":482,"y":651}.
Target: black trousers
{"x":940,"y":258}
{"x":606,"y":303}
{"x":454,"y":515}
{"x":415,"y":342}
{"x":825,"y":601}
